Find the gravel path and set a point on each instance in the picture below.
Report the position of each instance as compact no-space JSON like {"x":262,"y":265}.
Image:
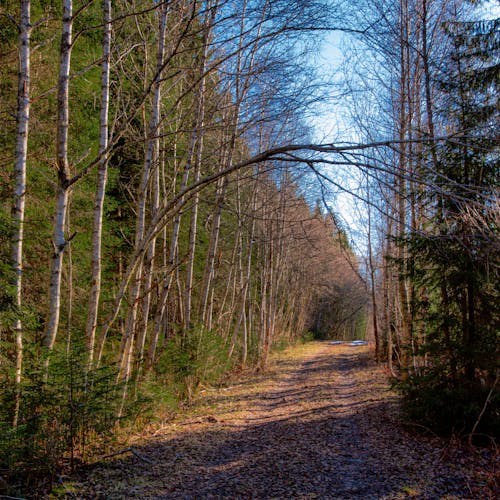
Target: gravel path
{"x":326,"y":426}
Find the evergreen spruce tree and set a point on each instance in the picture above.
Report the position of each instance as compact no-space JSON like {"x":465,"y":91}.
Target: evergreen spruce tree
{"x":457,"y":257}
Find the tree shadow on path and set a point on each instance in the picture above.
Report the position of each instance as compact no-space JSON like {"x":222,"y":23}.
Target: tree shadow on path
{"x":320,"y":433}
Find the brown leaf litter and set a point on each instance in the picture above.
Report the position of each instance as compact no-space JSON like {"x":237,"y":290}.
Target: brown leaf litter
{"x":323,"y":424}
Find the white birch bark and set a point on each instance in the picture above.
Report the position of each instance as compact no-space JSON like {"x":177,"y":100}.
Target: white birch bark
{"x":234,"y":283}
{"x":404,"y":131}
{"x":200,"y":114}
{"x":141,"y":277}
{"x":244,"y":298}
{"x":242,"y":86}
{"x":23,"y":115}
{"x":152,"y":158}
{"x":63,"y":171}
{"x":239,"y":266}
{"x":205,"y":315}
{"x":170,"y":263}
{"x":192,"y":235}
{"x":160,"y":315}
{"x":102,"y":175}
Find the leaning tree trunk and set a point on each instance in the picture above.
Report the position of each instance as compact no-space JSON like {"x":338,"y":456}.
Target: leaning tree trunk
{"x":241,"y":88}
{"x":244,"y":299}
{"x":171,"y":267}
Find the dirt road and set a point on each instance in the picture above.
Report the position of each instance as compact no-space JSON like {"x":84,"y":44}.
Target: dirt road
{"x":324,"y":424}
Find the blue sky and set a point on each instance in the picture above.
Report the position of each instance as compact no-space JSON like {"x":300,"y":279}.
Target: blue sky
{"x":330,"y":126}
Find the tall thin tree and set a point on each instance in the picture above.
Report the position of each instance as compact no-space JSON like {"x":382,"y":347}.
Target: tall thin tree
{"x":23,"y":116}
{"x":102,"y":175}
{"x":64,"y":174}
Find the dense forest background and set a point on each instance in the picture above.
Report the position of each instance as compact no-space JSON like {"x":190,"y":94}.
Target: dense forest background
{"x":164,"y":216}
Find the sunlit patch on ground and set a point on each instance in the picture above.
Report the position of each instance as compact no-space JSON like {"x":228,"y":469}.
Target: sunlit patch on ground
{"x":322,"y":423}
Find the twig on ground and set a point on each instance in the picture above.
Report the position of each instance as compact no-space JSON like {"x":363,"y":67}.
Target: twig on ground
{"x":141,"y":457}
{"x":422,"y":426}
{"x":128,"y":450}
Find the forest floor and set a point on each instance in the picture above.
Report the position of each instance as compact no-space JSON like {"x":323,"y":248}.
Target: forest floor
{"x":322,"y":423}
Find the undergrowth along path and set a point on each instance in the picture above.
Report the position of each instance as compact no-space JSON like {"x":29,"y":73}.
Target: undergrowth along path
{"x":322,"y":424}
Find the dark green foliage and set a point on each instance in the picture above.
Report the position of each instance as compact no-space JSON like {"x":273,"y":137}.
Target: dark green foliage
{"x":460,"y":323}
{"x":446,"y":405}
{"x":455,"y":262}
{"x":62,"y":409}
{"x":197,"y":357}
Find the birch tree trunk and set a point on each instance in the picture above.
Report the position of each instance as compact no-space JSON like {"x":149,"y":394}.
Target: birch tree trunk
{"x":371,"y":266}
{"x":171,"y":264}
{"x":129,"y":339}
{"x":152,"y":157}
{"x":95,"y":280}
{"x":404,"y":126}
{"x":244,"y":298}
{"x":238,"y":265}
{"x":171,"y":268}
{"x":200,"y":123}
{"x":240,"y":89}
{"x":63,"y":171}
{"x":192,"y":237}
{"x":205,"y":303}
{"x":22,"y":119}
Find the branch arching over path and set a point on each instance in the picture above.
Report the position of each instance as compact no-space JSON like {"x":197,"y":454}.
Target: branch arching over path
{"x":163,"y":215}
